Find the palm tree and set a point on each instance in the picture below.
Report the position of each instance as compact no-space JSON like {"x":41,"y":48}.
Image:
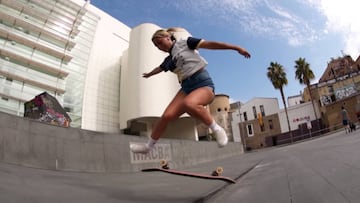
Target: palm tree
{"x":304,"y":74}
{"x":277,"y":76}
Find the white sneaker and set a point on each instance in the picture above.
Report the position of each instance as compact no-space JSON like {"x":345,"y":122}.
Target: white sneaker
{"x":221,"y":137}
{"x":140,"y":148}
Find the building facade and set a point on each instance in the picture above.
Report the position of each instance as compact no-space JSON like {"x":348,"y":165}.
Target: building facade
{"x":90,"y":62}
{"x":264,"y":124}
{"x":45,"y":46}
{"x":84,"y":58}
{"x":295,"y":100}
{"x":343,"y":90}
{"x":338,"y":67}
{"x":235,"y":119}
{"x":93,"y":64}
{"x":258,"y":120}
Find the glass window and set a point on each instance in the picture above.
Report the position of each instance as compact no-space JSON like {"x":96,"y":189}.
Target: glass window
{"x":262,"y":110}
{"x":254,"y":111}
{"x":330,"y":89}
{"x":245,"y":116}
{"x":271,"y":126}
{"x":249,"y":130}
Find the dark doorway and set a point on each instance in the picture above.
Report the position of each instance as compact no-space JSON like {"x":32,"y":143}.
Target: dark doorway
{"x":274,"y":141}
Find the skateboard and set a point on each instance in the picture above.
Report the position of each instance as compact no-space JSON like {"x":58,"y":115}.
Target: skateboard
{"x":215,"y":175}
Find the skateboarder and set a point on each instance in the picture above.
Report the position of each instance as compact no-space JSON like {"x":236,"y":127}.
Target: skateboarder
{"x":197,"y":88}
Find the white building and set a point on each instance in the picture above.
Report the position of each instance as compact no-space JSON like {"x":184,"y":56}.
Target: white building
{"x":251,"y":110}
{"x":235,"y":117}
{"x":68,"y":48}
{"x":265,"y":106}
{"x":295,"y":100}
{"x":45,"y":46}
{"x":91,"y":62}
{"x":299,"y":114}
{"x":101,"y":100}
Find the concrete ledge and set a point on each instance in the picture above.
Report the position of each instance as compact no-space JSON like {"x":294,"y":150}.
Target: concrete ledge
{"x":31,"y":143}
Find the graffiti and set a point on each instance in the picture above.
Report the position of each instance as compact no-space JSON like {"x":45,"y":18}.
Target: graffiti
{"x":50,"y":116}
{"x":325,"y":100}
{"x":344,"y":92}
{"x":38,"y":101}
{"x":46,"y":108}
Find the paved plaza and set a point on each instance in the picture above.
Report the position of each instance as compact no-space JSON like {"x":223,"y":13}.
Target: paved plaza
{"x":325,"y":169}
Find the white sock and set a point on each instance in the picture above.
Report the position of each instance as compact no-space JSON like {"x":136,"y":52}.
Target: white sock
{"x":214,"y":126}
{"x":151,"y":143}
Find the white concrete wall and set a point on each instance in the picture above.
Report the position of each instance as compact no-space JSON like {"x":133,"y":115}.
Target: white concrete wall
{"x":235,"y":126}
{"x":294,"y":100}
{"x":297,"y":115}
{"x":102,"y":87}
{"x":31,"y":143}
{"x":271,"y":106}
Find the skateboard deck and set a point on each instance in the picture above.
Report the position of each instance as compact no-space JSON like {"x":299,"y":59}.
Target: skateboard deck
{"x":215,"y":174}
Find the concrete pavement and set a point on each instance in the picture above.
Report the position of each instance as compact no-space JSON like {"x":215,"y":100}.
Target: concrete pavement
{"x":325,"y":169}
{"x":21,"y":184}
{"x":321,"y":170}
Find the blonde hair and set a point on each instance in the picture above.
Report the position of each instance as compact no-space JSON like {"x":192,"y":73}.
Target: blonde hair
{"x":167,"y":33}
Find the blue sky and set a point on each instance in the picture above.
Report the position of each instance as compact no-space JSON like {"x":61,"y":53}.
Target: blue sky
{"x":271,"y":30}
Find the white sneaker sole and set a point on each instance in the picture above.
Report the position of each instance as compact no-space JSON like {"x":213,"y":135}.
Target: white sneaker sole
{"x":139,"y":148}
{"x":224,"y":139}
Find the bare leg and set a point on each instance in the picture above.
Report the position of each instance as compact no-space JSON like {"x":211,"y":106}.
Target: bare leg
{"x":174,"y":110}
{"x":192,"y":104}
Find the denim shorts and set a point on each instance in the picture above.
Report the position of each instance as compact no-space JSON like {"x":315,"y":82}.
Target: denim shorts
{"x":197,"y":80}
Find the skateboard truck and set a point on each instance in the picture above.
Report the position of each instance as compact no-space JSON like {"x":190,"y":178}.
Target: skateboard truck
{"x":218,"y":171}
{"x":164,"y":164}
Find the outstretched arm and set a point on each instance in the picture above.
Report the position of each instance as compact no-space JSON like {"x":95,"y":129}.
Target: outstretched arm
{"x":153,"y":72}
{"x":221,"y":45}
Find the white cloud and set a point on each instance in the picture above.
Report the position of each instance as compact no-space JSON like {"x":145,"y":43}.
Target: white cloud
{"x":283,"y":19}
{"x":342,"y":17}
{"x":262,"y":17}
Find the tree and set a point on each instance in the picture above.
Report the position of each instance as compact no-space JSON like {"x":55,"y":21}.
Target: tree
{"x":277,"y":76}
{"x":304,"y":74}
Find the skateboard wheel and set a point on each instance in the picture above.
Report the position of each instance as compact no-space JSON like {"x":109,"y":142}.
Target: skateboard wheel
{"x":164,"y":164}
{"x":218,"y":171}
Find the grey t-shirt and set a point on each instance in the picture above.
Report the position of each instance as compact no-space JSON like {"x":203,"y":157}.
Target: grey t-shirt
{"x":184,"y":59}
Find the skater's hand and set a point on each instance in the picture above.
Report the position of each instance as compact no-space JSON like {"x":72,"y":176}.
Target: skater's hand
{"x":146,"y":75}
{"x":153,"y":72}
{"x":245,"y":53}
